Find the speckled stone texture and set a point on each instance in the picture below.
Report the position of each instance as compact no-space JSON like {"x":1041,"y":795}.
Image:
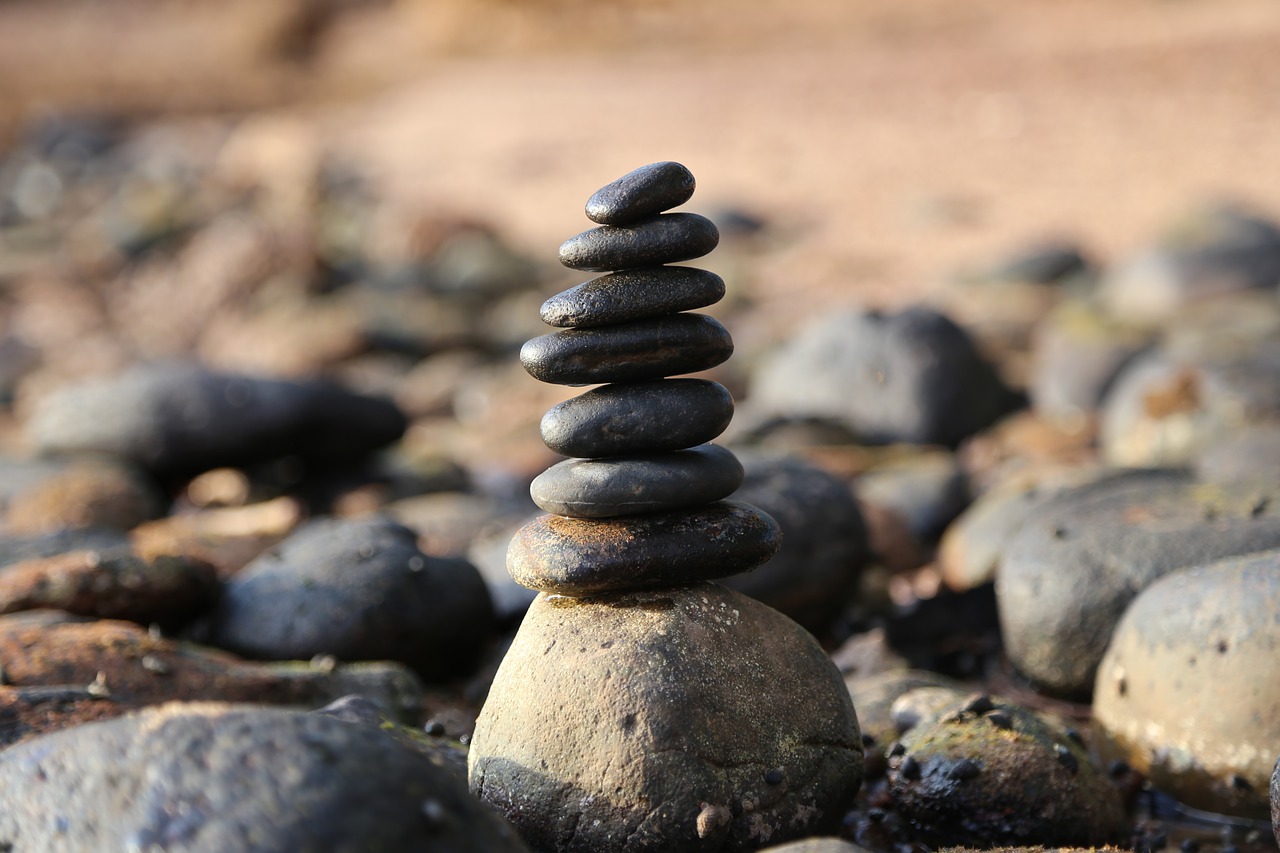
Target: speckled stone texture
{"x":641,"y":193}
{"x":628,"y":295}
{"x":664,"y":239}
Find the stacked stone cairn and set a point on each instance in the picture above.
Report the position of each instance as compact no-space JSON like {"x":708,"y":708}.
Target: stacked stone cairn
{"x":640,"y":706}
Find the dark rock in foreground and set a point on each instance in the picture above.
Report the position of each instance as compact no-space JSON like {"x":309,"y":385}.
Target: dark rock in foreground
{"x":214,"y":777}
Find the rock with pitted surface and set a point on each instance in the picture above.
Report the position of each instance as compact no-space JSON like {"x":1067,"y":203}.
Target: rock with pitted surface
{"x":1082,"y":556}
{"x":356,"y":590}
{"x":987,"y":772}
{"x":1211,"y":748}
{"x":181,"y":419}
{"x":216,"y":777}
{"x":625,"y":714}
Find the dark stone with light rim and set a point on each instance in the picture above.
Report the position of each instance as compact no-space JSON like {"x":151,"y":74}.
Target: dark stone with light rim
{"x":604,"y":488}
{"x":571,"y":556}
{"x":638,"y":417}
{"x":664,"y":239}
{"x":633,"y":295}
{"x":641,"y":193}
{"x":628,"y":352}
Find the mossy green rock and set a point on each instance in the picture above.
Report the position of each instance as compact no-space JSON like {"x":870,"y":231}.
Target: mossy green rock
{"x":989,"y":772}
{"x":674,"y":720}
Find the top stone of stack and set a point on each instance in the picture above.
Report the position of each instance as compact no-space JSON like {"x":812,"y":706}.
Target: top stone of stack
{"x":641,"y":193}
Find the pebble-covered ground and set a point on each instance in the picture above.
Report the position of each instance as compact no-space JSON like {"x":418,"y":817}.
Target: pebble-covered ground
{"x":1004,"y":286}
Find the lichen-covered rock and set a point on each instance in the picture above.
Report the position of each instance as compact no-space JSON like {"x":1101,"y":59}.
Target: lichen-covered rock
{"x":874,"y":695}
{"x":1189,"y":691}
{"x":679,"y":719}
{"x":357,"y":590}
{"x":1083,"y":555}
{"x":217,"y":777}
{"x":989,"y":772}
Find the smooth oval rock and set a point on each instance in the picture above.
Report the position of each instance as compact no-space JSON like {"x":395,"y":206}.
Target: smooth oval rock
{"x":628,"y":352}
{"x":622,"y":297}
{"x":1082,"y":556}
{"x":1189,"y":690}
{"x":217,"y":777}
{"x":913,"y":377}
{"x":570,"y":556}
{"x":180,"y":419}
{"x":663,"y":239}
{"x":606,"y":488}
{"x":357,"y":590}
{"x":641,"y":193}
{"x":716,"y":723}
{"x":825,"y":543}
{"x":993,"y":773}
{"x":638,"y":417}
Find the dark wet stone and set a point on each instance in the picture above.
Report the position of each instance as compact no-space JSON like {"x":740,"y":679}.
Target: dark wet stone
{"x":605,"y":488}
{"x":984,"y":785}
{"x":1187,"y":693}
{"x":106,"y":541}
{"x":664,"y":239}
{"x":824,"y":539}
{"x":1083,"y":555}
{"x":628,"y":352}
{"x":356,"y":590}
{"x":621,"y":297}
{"x":177,"y":419}
{"x":679,"y":744}
{"x":216,"y":777}
{"x":164,"y":589}
{"x":130,"y":667}
{"x":572,"y":556}
{"x":641,"y":193}
{"x":912,"y":377}
{"x":639,"y":417}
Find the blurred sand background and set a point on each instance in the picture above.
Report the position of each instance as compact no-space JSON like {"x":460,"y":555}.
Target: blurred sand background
{"x":889,"y":144}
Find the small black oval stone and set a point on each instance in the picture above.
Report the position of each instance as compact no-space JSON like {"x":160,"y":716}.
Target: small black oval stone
{"x":633,"y":295}
{"x":632,"y":418}
{"x":576,"y":556}
{"x":641,"y":193}
{"x":628,"y":352}
{"x":662,"y":239}
{"x":607,"y":488}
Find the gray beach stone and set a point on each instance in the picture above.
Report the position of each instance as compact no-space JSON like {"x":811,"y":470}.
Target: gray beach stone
{"x":571,"y":556}
{"x":180,"y":419}
{"x":604,"y":488}
{"x":357,"y":590}
{"x":1188,"y":693}
{"x":913,"y":377}
{"x":1082,"y":556}
{"x":709,"y":722}
{"x":217,"y":777}
{"x":663,"y":239}
{"x":641,"y":193}
{"x":628,"y":352}
{"x":638,"y":417}
{"x":638,"y":294}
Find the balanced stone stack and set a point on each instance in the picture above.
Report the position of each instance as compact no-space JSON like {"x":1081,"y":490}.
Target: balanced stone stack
{"x":641,"y":707}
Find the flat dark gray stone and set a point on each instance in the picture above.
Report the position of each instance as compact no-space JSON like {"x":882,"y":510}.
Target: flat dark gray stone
{"x":605,"y":488}
{"x":631,"y":418}
{"x":582,"y":557}
{"x":628,"y":352}
{"x":663,"y":239}
{"x":641,"y":193}
{"x":633,"y":295}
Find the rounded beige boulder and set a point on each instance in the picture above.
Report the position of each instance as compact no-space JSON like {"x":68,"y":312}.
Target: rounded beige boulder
{"x":1189,"y":690}
{"x":675,"y":719}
